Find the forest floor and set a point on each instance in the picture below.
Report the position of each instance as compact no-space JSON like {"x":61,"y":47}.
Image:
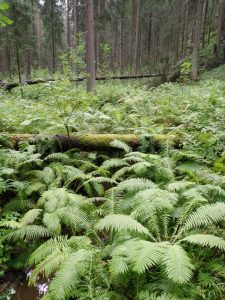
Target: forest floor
{"x":194,"y":110}
{"x":36,"y":185}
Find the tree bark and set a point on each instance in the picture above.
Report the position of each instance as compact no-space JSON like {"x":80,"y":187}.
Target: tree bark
{"x":53,"y":37}
{"x":136,"y":15}
{"x":27,"y":64}
{"x":68,"y":24}
{"x":75,"y":24}
{"x":220,"y":27}
{"x":197,"y":40}
{"x":90,"y":47}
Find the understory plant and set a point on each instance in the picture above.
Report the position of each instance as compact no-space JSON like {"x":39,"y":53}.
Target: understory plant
{"x":134,"y":226}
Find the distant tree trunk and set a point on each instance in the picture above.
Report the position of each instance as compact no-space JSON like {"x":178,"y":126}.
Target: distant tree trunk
{"x":220,"y":27}
{"x":197,"y":40}
{"x":97,"y":36}
{"x":27,"y":64}
{"x":90,"y":46}
{"x":7,"y":60}
{"x":75,"y":23}
{"x":38,"y":33}
{"x":16,"y":46}
{"x":136,"y":16}
{"x":185,"y":29}
{"x":68,"y":24}
{"x":205,"y":12}
{"x":53,"y":37}
{"x":149,"y":37}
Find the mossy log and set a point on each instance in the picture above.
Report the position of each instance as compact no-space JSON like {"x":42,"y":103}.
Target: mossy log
{"x":91,"y":142}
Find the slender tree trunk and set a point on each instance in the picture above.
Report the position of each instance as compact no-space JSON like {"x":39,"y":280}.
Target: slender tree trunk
{"x":17,"y":48}
{"x":97,"y":36}
{"x":68,"y":24}
{"x":53,"y":37}
{"x":38,"y":33}
{"x":197,"y":40}
{"x":136,"y":15}
{"x":186,"y":33}
{"x":27,"y":64}
{"x":7,"y":60}
{"x":90,"y":46}
{"x":210,"y":23}
{"x":220,"y":27}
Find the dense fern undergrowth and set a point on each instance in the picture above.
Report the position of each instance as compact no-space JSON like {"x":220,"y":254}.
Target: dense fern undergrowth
{"x":133,"y":225}
{"x":121,"y":225}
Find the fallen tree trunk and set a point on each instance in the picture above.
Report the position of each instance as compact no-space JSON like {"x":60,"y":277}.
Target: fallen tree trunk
{"x":10,"y":86}
{"x":92,"y":142}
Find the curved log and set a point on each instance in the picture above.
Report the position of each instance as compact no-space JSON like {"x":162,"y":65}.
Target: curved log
{"x":91,"y":142}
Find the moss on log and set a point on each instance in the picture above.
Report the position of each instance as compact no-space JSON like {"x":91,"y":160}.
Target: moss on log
{"x":91,"y":142}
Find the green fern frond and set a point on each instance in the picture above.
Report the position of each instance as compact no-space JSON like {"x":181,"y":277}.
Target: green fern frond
{"x":114,"y":163}
{"x":30,"y":216}
{"x":205,"y":215}
{"x":121,"y":222}
{"x":47,"y":248}
{"x":178,"y":186}
{"x":52,"y":222}
{"x":11,"y":224}
{"x":177,"y":264}
{"x":205,"y":240}
{"x":73,"y":217}
{"x":136,"y":184}
{"x":66,"y":278}
{"x":134,"y":159}
{"x":49,"y":265}
{"x":121,"y":172}
{"x":35,"y":186}
{"x":146,"y":255}
{"x":120,"y":145}
{"x":102,"y":179}
{"x":57,"y":156}
{"x":29,"y":232}
{"x":148,"y":201}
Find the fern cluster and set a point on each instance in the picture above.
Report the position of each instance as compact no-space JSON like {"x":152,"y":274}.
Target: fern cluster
{"x":127,"y":227}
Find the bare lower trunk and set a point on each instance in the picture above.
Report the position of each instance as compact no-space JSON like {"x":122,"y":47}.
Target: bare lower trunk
{"x":220,"y":27}
{"x":90,"y":47}
{"x":197,"y":40}
{"x":27,"y":64}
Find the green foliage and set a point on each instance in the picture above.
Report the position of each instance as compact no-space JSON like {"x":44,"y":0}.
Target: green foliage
{"x":4,"y":20}
{"x":132,"y":225}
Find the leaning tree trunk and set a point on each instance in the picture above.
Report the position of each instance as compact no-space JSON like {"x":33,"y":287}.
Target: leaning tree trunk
{"x":197,"y":40}
{"x":90,"y":46}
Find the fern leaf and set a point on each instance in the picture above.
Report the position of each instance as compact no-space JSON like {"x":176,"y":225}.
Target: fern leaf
{"x":65,"y":280}
{"x":114,"y":163}
{"x":136,"y":184}
{"x":178,"y":186}
{"x":52,"y":222}
{"x":120,"y":145}
{"x":30,"y":216}
{"x":29,"y":232}
{"x":121,"y":222}
{"x":177,"y":264}
{"x":206,"y":215}
{"x":205,"y":240}
{"x":47,"y":248}
{"x":147,"y":255}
